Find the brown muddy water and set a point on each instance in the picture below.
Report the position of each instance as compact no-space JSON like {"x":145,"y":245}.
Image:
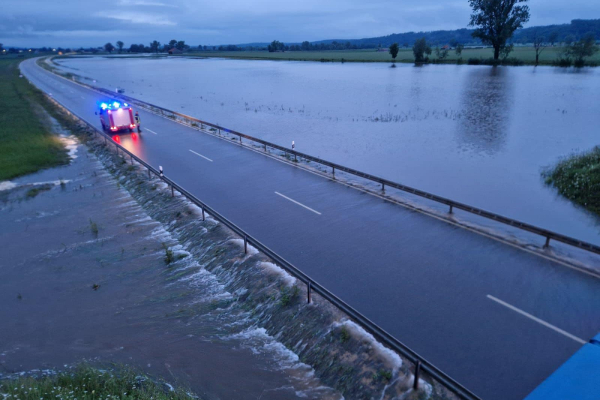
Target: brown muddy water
{"x":175,"y":321}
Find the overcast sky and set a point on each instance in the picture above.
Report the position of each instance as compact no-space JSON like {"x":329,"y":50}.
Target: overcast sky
{"x":74,"y":23}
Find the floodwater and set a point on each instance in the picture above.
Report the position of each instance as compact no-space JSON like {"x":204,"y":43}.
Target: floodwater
{"x":166,"y":321}
{"x":476,"y":134}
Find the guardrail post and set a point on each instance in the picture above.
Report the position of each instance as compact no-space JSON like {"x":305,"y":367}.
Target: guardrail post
{"x":333,"y":172}
{"x":203,"y":218}
{"x":219,"y":130}
{"x":265,"y":148}
{"x":383,"y":187}
{"x":172,"y":191}
{"x":240,"y":139}
{"x":547,"y":244}
{"x":308,"y":293}
{"x":131,"y":157}
{"x":295,"y":158}
{"x":450,"y":212}
{"x":417,"y":373}
{"x":149,"y":177}
{"x":245,"y":244}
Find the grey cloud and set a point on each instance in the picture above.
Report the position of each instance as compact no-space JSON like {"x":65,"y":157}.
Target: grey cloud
{"x":84,"y":22}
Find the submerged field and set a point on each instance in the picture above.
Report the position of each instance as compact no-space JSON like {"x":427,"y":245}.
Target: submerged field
{"x":26,"y":143}
{"x":525,"y":54}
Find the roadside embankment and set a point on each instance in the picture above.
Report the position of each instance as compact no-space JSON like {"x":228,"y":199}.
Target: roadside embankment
{"x":578,"y":179}
{"x":26,"y":141}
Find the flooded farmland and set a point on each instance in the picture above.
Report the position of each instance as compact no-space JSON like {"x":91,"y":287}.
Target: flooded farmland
{"x":476,"y":134}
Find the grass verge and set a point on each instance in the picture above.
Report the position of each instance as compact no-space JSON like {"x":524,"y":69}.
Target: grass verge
{"x":578,"y":179}
{"x":86,"y":382}
{"x":524,"y":55}
{"x":26,"y":143}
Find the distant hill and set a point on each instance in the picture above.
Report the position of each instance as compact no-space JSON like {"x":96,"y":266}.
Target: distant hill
{"x":577,"y":29}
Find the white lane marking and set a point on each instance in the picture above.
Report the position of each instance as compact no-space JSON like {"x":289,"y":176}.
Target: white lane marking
{"x":300,"y":204}
{"x":198,"y":154}
{"x":539,"y":321}
{"x":150,"y":130}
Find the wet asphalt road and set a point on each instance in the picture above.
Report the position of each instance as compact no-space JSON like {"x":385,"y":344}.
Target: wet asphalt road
{"x":496,"y":318}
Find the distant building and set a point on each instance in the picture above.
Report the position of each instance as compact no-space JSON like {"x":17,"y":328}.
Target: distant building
{"x":175,"y":51}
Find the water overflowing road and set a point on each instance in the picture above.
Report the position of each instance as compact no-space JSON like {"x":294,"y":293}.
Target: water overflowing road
{"x":496,"y":318}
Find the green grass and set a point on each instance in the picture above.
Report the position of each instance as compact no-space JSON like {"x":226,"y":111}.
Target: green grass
{"x":525,"y":54}
{"x":87,"y":383}
{"x":26,"y":144}
{"x":578,"y":179}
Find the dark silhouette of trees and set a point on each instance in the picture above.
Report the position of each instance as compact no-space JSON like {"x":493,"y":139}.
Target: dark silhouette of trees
{"x":495,"y":21}
{"x":109,"y":47}
{"x":276,"y":45}
{"x":420,"y":48}
{"x":120,"y":45}
{"x":539,"y":46}
{"x":154,"y":46}
{"x":394,"y":51}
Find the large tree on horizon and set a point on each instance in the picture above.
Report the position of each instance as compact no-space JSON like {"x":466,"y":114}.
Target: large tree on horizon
{"x":495,"y":21}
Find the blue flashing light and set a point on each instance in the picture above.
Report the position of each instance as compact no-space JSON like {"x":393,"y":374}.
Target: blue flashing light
{"x":126,"y":105}
{"x":103,"y":106}
{"x":116,"y":105}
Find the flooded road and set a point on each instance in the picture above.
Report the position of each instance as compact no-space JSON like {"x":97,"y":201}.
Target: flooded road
{"x":476,"y":134}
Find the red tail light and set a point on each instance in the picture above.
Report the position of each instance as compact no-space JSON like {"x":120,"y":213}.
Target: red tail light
{"x":117,"y":139}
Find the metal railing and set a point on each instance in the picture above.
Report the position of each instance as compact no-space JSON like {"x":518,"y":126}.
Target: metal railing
{"x":547,"y":234}
{"x":420,"y":363}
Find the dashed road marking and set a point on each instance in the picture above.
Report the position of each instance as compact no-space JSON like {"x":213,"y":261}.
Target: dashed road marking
{"x":300,"y":204}
{"x":539,"y":321}
{"x":198,"y":154}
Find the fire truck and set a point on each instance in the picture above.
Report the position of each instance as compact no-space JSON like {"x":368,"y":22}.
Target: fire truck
{"x":116,"y":117}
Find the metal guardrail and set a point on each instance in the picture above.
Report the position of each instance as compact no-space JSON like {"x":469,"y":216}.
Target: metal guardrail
{"x":421,"y":364}
{"x":549,"y":235}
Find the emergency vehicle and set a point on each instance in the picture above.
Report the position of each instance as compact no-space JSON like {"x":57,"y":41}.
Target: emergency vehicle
{"x":116,"y":117}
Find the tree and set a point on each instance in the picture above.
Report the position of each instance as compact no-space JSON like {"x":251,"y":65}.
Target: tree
{"x":181,"y":45}
{"x":120,"y":46}
{"x":538,"y":45}
{"x":276,"y":45}
{"x":495,"y":21}
{"x":553,"y":37}
{"x":172,"y":43}
{"x":420,"y":48}
{"x":585,"y":47}
{"x":109,"y":47}
{"x":305,"y":45}
{"x":154,"y":46}
{"x":441,"y":53}
{"x":459,"y":49}
{"x":394,"y":51}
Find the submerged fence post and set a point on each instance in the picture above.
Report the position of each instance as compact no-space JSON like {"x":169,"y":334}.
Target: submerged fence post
{"x":308,"y":294}
{"x":450,"y":212}
{"x":417,"y":373}
{"x":383,"y":187}
{"x":547,"y":244}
